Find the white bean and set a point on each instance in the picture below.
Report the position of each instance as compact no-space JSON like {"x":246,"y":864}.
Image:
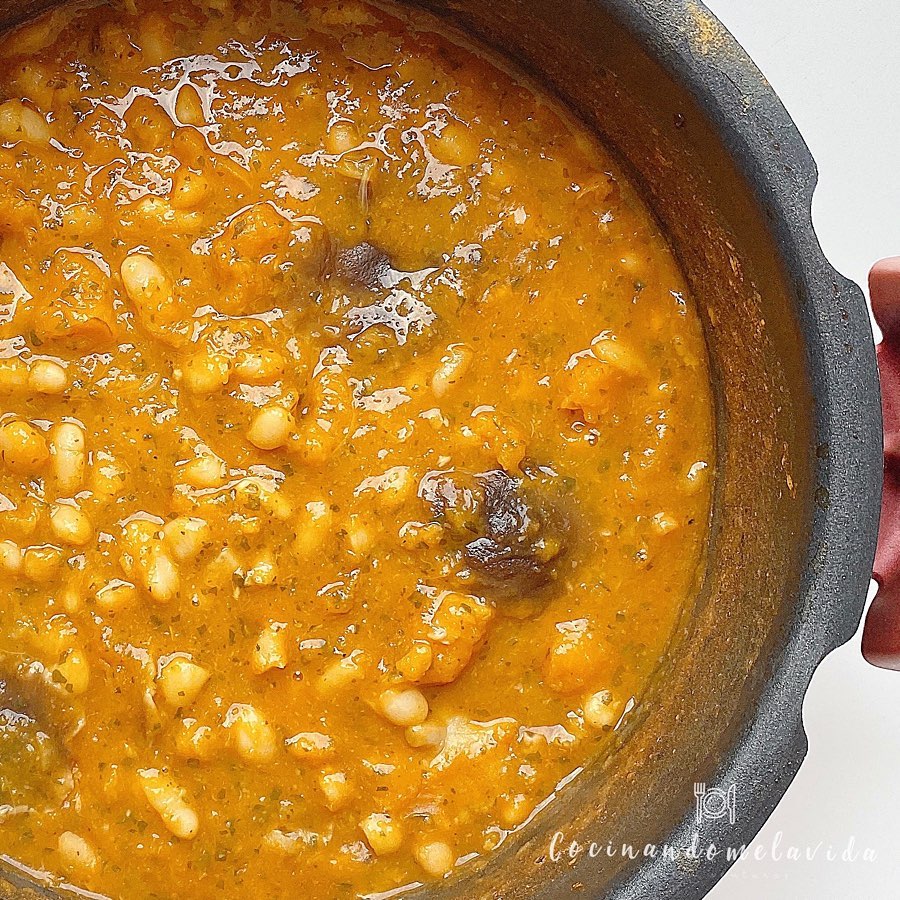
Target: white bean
{"x":186,"y":537}
{"x":40,"y":563}
{"x":148,"y":286}
{"x":270,"y":650}
{"x":428,"y":734}
{"x":435,"y":857}
{"x":384,"y":835}
{"x":169,"y":801}
{"x":205,"y":374}
{"x":47,"y":377}
{"x":74,"y":671}
{"x":181,"y":681}
{"x":68,"y":456}
{"x":10,"y":556}
{"x":116,"y":593}
{"x":19,"y":122}
{"x":188,"y":108}
{"x":454,"y":365}
{"x":76,"y":852}
{"x":206,"y":471}
{"x":403,"y":707}
{"x":601,"y":710}
{"x":251,"y":735}
{"x":71,"y":526}
{"x":271,"y":428}
{"x":337,"y":789}
{"x":161,"y":578}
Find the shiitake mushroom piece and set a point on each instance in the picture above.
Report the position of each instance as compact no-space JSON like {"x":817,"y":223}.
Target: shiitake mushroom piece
{"x":511,"y":532}
{"x":34,"y":766}
{"x":366,"y":265}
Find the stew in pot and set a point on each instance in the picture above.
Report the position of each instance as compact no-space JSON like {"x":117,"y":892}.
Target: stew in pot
{"x":355,"y":449}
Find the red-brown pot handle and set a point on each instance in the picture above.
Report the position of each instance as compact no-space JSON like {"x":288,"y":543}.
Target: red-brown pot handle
{"x":881,"y":637}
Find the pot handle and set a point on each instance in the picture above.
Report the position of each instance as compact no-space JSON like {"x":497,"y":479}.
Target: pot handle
{"x":881,"y":636}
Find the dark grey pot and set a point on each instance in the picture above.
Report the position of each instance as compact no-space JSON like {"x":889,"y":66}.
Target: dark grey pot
{"x":800,"y":456}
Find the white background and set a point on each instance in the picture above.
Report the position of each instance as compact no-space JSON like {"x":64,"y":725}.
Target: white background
{"x":836,"y":66}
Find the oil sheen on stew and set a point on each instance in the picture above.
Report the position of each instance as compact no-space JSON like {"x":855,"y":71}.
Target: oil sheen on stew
{"x":355,"y":449}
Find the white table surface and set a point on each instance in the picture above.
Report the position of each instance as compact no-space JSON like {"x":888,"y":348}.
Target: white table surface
{"x":836,"y":66}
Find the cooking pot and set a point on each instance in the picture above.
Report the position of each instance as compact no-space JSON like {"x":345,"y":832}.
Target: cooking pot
{"x":710,"y":751}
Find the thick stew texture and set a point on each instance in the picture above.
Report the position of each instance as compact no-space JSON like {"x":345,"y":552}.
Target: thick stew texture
{"x":355,"y":449}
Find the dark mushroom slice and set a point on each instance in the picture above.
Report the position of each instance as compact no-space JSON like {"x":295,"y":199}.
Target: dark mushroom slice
{"x":523,"y":537}
{"x":400,"y":306}
{"x":511,"y":534}
{"x":34,"y":768}
{"x":365,"y":265}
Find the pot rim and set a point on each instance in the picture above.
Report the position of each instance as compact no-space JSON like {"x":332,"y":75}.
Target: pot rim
{"x":705,"y":59}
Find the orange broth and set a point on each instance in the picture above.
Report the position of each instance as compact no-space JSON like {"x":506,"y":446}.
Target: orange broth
{"x":355,"y":449}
